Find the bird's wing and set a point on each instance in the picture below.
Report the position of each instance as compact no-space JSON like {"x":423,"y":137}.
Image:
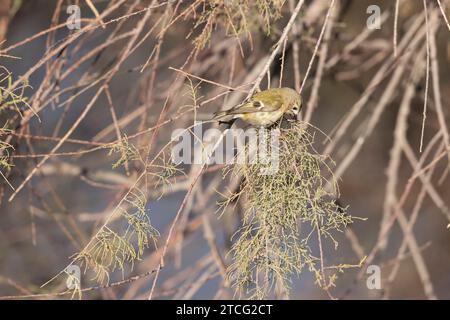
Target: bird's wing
{"x":259,"y":102}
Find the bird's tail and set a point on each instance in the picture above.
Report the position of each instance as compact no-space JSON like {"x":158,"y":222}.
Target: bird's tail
{"x":219,"y":115}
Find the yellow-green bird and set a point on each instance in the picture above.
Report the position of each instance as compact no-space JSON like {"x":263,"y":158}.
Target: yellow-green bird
{"x":265,"y":108}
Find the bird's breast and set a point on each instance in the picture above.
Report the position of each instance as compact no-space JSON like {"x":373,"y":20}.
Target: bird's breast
{"x":264,"y":119}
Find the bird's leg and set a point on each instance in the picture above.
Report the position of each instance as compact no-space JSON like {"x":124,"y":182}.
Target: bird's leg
{"x":275,"y":124}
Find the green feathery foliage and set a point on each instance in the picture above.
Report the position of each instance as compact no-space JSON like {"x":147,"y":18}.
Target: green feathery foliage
{"x":112,"y":250}
{"x":4,"y":150}
{"x":12,"y":98}
{"x":127,"y":152}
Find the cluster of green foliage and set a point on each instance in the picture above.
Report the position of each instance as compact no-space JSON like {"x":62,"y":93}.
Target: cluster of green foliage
{"x":286,"y":216}
{"x":112,"y":250}
{"x":125,"y":150}
{"x":11,"y":99}
{"x":5,"y":162}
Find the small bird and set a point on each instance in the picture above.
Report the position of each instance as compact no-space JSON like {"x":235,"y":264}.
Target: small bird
{"x":265,"y":108}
